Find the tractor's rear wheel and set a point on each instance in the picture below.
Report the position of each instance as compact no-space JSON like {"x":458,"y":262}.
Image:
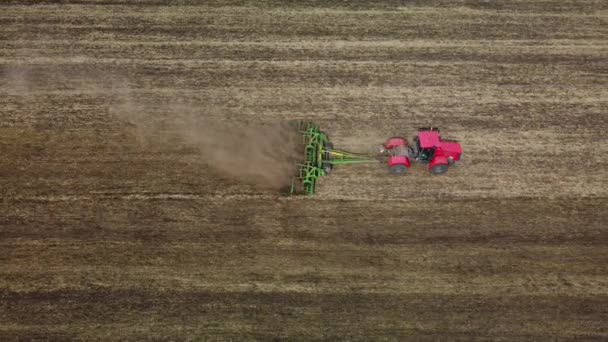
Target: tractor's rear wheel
{"x":397,"y":169}
{"x":439,"y":169}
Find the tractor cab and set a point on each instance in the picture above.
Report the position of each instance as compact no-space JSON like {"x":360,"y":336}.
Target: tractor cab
{"x":427,"y":142}
{"x":431,"y":148}
{"x":426,"y":154}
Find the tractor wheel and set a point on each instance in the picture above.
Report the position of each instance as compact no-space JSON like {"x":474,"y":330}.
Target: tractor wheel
{"x":439,"y":169}
{"x":397,"y":169}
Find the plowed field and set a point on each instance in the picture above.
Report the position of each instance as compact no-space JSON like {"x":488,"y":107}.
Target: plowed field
{"x":110,"y":233}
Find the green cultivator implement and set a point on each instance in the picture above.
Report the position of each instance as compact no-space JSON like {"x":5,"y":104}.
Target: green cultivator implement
{"x":320,"y":157}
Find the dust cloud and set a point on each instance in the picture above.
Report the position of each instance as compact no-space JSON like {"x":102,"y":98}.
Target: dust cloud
{"x":260,"y":154}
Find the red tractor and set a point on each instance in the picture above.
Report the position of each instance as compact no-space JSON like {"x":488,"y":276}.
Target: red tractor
{"x":428,"y":148}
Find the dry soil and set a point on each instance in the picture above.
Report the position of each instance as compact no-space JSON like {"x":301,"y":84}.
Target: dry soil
{"x":110,"y":232}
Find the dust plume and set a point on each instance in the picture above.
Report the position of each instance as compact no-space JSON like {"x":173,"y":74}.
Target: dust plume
{"x":260,"y":154}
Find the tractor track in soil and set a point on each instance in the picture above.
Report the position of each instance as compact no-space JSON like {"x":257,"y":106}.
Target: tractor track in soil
{"x":110,"y":232}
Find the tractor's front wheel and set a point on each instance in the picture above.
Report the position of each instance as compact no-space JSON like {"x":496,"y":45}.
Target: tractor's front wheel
{"x":397,"y":169}
{"x":439,"y":169}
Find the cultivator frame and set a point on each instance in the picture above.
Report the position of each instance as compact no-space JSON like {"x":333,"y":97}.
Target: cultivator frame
{"x":320,"y":156}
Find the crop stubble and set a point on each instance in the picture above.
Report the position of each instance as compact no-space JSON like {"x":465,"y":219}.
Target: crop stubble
{"x":107,"y":232}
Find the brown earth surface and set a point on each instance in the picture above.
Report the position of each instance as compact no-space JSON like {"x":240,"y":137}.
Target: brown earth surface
{"x":113,"y":226}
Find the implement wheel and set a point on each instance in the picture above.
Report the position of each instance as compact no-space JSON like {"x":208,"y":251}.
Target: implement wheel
{"x":397,"y":169}
{"x":439,"y":169}
{"x":327,"y":167}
